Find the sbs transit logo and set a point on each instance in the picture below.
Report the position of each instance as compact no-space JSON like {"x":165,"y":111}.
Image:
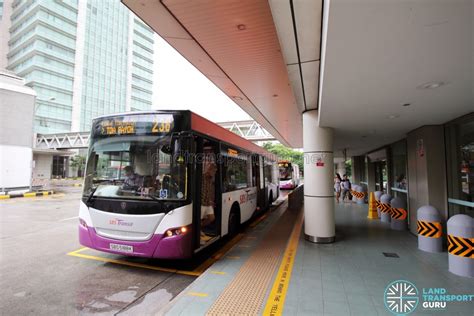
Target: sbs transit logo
{"x":401,"y":297}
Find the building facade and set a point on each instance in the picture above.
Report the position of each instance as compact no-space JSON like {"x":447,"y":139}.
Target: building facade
{"x":83,"y":58}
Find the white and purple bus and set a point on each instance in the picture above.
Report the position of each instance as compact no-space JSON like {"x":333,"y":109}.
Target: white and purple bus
{"x":289,"y":175}
{"x":167,"y":184}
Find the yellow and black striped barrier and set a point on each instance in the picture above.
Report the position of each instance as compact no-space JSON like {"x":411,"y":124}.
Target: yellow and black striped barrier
{"x":429,"y":229}
{"x":385,"y":208}
{"x":398,"y":213}
{"x":28,"y":194}
{"x":358,"y":195}
{"x":462,"y":247}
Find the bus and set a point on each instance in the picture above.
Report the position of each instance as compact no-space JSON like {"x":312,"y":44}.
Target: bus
{"x":289,"y":174}
{"x":167,"y":184}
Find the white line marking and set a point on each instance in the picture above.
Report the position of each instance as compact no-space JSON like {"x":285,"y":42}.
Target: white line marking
{"x":66,"y":219}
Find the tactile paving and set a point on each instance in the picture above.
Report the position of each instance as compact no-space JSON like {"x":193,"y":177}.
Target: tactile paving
{"x":245,"y":294}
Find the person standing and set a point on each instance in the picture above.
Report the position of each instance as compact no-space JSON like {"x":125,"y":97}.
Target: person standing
{"x":337,"y":186}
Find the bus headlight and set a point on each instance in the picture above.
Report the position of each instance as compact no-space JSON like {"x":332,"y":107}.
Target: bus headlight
{"x":176,"y":231}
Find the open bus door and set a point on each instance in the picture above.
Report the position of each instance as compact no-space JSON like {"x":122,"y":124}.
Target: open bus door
{"x":207,"y":193}
{"x":257,"y":172}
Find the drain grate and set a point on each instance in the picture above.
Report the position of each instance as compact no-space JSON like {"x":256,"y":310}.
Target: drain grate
{"x":390,"y":255}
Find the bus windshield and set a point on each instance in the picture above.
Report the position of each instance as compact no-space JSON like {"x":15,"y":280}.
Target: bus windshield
{"x":135,"y":167}
{"x":286,"y":171}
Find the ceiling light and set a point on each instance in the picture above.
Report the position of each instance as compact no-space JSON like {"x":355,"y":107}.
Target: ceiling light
{"x":393,"y":116}
{"x":236,"y":97}
{"x":431,"y":85}
{"x":241,"y":27}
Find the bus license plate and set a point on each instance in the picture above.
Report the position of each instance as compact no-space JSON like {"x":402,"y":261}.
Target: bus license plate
{"x":121,"y":248}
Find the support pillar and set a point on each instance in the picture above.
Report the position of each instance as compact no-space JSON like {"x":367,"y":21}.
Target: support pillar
{"x":319,"y":226}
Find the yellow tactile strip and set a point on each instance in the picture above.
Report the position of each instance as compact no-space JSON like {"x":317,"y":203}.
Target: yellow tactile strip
{"x":245,"y":294}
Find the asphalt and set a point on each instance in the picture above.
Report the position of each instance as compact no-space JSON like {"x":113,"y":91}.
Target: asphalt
{"x":38,"y":277}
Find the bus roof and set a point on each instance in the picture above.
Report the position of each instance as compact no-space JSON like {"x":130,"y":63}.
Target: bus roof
{"x":206,"y":127}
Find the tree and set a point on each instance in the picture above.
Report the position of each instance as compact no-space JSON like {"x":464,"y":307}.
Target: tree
{"x":285,"y":153}
{"x":78,"y":162}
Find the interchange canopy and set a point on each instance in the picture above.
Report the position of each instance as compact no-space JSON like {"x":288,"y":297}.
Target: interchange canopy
{"x":387,"y":67}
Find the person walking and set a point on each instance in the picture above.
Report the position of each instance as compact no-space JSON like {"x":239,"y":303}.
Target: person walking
{"x":346,"y":188}
{"x":337,"y":186}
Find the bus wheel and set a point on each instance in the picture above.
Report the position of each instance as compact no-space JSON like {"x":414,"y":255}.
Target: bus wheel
{"x":234,"y":223}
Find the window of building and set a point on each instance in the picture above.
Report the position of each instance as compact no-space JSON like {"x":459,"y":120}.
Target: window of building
{"x":459,"y":136}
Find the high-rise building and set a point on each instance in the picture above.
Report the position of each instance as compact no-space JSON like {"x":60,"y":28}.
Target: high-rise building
{"x":83,"y":58}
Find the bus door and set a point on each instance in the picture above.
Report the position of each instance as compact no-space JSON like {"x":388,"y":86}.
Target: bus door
{"x":257,"y":178}
{"x":207,"y":202}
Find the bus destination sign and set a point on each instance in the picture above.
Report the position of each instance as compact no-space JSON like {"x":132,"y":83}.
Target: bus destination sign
{"x":135,"y":125}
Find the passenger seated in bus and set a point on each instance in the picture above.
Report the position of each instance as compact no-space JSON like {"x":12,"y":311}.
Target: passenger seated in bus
{"x":208,"y":197}
{"x":132,"y":180}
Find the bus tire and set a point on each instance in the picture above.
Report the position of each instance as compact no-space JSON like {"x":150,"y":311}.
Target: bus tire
{"x":234,"y":222}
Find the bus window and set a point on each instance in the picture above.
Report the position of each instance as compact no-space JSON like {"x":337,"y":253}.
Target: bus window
{"x":235,"y":175}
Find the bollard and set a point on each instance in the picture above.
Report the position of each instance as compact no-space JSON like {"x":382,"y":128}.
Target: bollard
{"x":399,"y":214}
{"x":378,"y":194}
{"x":360,"y":197}
{"x":429,"y":229}
{"x":461,"y":245}
{"x":385,"y":208}
{"x":366,"y":194}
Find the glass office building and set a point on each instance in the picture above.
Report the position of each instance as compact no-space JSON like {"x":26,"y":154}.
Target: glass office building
{"x":83,"y":58}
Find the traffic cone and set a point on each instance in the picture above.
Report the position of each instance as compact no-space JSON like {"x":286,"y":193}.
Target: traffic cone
{"x":372,"y":207}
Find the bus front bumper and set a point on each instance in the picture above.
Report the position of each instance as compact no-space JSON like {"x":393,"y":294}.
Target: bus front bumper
{"x":159,"y":246}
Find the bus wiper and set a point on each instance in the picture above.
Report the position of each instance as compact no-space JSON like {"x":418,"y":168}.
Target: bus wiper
{"x":91,"y":195}
{"x":153,"y":197}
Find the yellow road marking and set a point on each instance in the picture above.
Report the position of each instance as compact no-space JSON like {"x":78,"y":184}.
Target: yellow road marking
{"x":130,"y":264}
{"x":4,"y":197}
{"x":218,"y":272}
{"x":33,"y":194}
{"x":276,"y":299}
{"x":198,"y":294}
{"x":77,"y":251}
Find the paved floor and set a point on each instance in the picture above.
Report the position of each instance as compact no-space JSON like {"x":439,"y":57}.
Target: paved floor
{"x":348,"y":277}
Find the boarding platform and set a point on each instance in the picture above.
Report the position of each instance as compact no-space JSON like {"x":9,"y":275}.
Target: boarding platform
{"x":273,"y":270}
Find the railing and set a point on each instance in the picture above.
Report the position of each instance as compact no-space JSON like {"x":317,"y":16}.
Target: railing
{"x":249,"y":130}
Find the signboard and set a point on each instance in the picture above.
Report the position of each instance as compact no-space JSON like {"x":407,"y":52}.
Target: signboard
{"x":157,"y":124}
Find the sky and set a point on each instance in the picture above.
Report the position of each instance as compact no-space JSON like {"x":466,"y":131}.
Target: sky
{"x":180,"y":86}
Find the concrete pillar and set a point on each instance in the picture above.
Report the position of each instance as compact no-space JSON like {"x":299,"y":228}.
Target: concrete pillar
{"x":371,"y":176}
{"x":358,"y":169}
{"x":426,"y":171}
{"x":319,"y":180}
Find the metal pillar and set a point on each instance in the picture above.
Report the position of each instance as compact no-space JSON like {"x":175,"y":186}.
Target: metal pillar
{"x":318,"y":183}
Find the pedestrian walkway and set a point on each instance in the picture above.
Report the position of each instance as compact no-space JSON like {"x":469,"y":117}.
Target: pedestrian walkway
{"x":349,"y":277}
